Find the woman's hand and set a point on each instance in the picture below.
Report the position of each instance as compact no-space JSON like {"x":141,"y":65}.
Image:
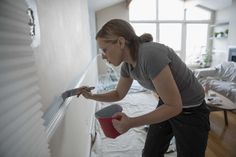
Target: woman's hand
{"x":85,"y":91}
{"x":122,"y":123}
{"x":87,"y":94}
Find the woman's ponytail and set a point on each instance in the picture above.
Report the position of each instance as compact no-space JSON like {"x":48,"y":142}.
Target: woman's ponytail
{"x":146,"y":37}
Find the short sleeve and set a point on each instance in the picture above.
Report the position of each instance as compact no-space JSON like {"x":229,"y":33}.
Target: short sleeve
{"x":155,"y":59}
{"x":124,"y":71}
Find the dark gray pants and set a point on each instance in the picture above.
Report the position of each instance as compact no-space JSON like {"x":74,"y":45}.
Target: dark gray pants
{"x":190,"y":129}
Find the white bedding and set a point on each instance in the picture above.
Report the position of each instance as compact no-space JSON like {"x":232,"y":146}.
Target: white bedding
{"x":131,"y":143}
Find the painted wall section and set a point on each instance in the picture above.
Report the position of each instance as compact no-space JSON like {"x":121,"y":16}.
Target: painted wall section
{"x":220,"y":46}
{"x":74,"y":135}
{"x":118,"y":11}
{"x":92,"y":21}
{"x":65,"y":48}
{"x":232,"y":26}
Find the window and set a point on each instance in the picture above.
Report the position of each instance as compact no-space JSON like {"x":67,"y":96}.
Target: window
{"x":141,"y":28}
{"x":196,"y":46}
{"x":175,"y":11}
{"x":170,"y":35}
{"x":22,"y":132}
{"x":141,"y":10}
{"x":178,"y":26}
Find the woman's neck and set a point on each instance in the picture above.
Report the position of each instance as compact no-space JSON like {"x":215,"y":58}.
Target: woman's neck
{"x":128,"y":58}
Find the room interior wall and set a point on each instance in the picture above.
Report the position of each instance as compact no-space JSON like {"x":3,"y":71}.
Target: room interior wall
{"x":232,"y":25}
{"x":65,"y":48}
{"x":74,"y":135}
{"x":220,"y":46}
{"x":119,"y":11}
{"x":92,"y":22}
{"x":62,"y":58}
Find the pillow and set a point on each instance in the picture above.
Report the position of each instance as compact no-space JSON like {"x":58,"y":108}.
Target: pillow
{"x":227,"y":71}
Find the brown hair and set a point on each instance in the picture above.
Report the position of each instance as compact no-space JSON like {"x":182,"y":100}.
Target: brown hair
{"x":116,"y":28}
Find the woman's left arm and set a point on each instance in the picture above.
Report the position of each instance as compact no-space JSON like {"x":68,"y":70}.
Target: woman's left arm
{"x":168,"y":91}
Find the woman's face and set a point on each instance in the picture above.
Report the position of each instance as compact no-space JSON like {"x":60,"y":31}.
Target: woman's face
{"x":111,"y":51}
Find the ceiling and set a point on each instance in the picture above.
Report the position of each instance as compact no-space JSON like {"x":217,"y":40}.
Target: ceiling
{"x":211,"y":4}
{"x":214,"y":4}
{"x":101,"y":4}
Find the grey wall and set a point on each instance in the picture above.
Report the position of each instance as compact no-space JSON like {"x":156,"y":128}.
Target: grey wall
{"x":220,"y":46}
{"x":65,"y":48}
{"x":232,"y":26}
{"x":116,"y":11}
{"x":119,"y":11}
{"x":73,"y":136}
{"x":67,"y":34}
{"x":92,"y":22}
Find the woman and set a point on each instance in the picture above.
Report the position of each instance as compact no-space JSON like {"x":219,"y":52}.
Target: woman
{"x":181,"y":111}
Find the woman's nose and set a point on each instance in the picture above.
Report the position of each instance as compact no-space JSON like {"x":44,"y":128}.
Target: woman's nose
{"x":104,"y":56}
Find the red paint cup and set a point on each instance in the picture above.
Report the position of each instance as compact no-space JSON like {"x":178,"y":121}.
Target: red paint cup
{"x":108,"y":128}
{"x":104,"y":117}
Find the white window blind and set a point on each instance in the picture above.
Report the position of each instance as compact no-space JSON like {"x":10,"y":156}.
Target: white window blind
{"x":22,"y":133}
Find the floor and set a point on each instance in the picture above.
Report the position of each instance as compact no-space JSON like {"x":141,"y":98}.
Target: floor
{"x":222,"y":138}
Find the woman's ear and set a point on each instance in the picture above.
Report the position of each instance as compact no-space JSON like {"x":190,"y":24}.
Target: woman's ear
{"x":121,"y":41}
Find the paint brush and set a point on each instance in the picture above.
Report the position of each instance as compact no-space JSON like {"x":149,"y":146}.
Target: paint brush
{"x":75,"y":91}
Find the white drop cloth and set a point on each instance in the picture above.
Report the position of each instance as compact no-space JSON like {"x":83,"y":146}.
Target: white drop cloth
{"x":131,"y":143}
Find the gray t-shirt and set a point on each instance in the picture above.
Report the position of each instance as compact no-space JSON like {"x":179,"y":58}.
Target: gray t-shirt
{"x":152,"y":58}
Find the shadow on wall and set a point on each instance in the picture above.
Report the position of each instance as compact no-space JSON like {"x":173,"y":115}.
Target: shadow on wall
{"x":74,"y":133}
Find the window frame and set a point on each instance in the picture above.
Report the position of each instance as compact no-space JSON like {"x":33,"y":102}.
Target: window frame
{"x":184,"y":22}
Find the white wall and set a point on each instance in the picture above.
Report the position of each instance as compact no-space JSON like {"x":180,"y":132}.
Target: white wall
{"x":232,"y":26}
{"x":92,"y":22}
{"x":73,"y":137}
{"x":65,"y":48}
{"x":61,"y":59}
{"x":220,"y":46}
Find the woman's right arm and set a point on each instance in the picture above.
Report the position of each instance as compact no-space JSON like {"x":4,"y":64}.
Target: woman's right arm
{"x":117,"y":94}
